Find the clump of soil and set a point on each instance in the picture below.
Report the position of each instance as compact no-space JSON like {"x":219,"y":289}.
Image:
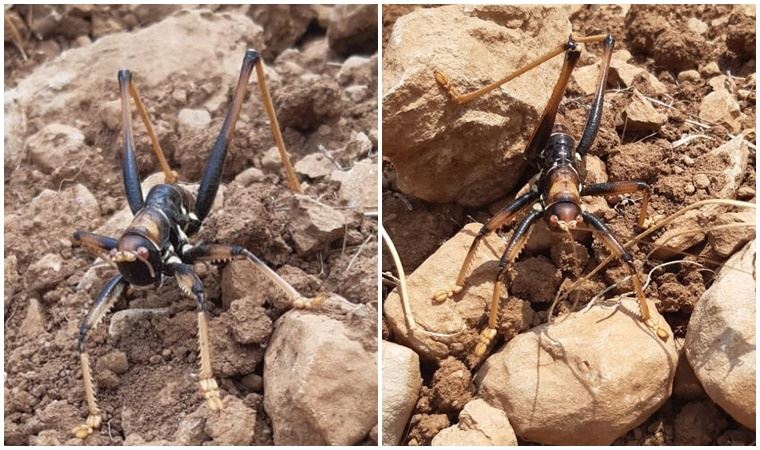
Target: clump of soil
{"x":665,"y":41}
{"x":145,"y":354}
{"x":451,"y":386}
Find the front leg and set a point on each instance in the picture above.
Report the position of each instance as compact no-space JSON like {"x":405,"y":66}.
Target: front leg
{"x":219,"y":253}
{"x":191,"y":285}
{"x":515,"y":246}
{"x":103,"y":303}
{"x":500,"y":219}
{"x":96,"y":244}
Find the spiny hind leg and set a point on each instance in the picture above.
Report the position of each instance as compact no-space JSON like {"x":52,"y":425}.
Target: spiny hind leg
{"x":103,"y":303}
{"x":515,"y":246}
{"x":614,"y":246}
{"x":501,"y":218}
{"x":191,"y":285}
{"x":170,"y":176}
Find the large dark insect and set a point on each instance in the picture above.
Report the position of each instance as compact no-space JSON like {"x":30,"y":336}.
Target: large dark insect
{"x":556,"y":190}
{"x":156,"y":245}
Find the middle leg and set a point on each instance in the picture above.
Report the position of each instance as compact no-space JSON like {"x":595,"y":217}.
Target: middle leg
{"x":614,"y":246}
{"x":622,"y":187}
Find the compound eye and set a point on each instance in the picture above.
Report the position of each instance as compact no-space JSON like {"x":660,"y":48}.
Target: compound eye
{"x":553,"y":220}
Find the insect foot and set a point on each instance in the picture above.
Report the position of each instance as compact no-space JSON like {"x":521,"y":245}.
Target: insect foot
{"x":210,"y":392}
{"x":486,"y":336}
{"x":308,"y":303}
{"x":658,"y":330}
{"x":86,"y":429}
{"x":442,"y":79}
{"x":445,"y":294}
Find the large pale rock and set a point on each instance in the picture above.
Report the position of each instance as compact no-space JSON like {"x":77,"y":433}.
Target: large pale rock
{"x":720,"y":339}
{"x":585,"y":380}
{"x":155,"y":54}
{"x":472,"y":153}
{"x":401,"y":385}
{"x":320,"y":376}
{"x":453,"y":316}
{"x":479,"y":424}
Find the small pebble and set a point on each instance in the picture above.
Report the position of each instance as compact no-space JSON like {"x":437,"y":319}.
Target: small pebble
{"x":155,"y":359}
{"x":253,"y":382}
{"x":82,"y":41}
{"x":710,"y":70}
{"x":691,"y":76}
{"x":701,"y":181}
{"x":677,"y":170}
{"x":697,"y":26}
{"x":689,"y":189}
{"x":745,"y":192}
{"x":179,"y":95}
{"x":167,"y":354}
{"x":688,"y":160}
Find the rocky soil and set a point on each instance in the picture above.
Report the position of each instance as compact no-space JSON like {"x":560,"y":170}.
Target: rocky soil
{"x":679,"y":114}
{"x":62,"y":172}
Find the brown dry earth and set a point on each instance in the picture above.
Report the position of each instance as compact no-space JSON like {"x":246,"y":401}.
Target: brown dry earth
{"x":667,"y":41}
{"x":62,"y":172}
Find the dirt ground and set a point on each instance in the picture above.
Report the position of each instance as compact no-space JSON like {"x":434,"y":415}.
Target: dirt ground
{"x":418,"y":227}
{"x":47,"y":293}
